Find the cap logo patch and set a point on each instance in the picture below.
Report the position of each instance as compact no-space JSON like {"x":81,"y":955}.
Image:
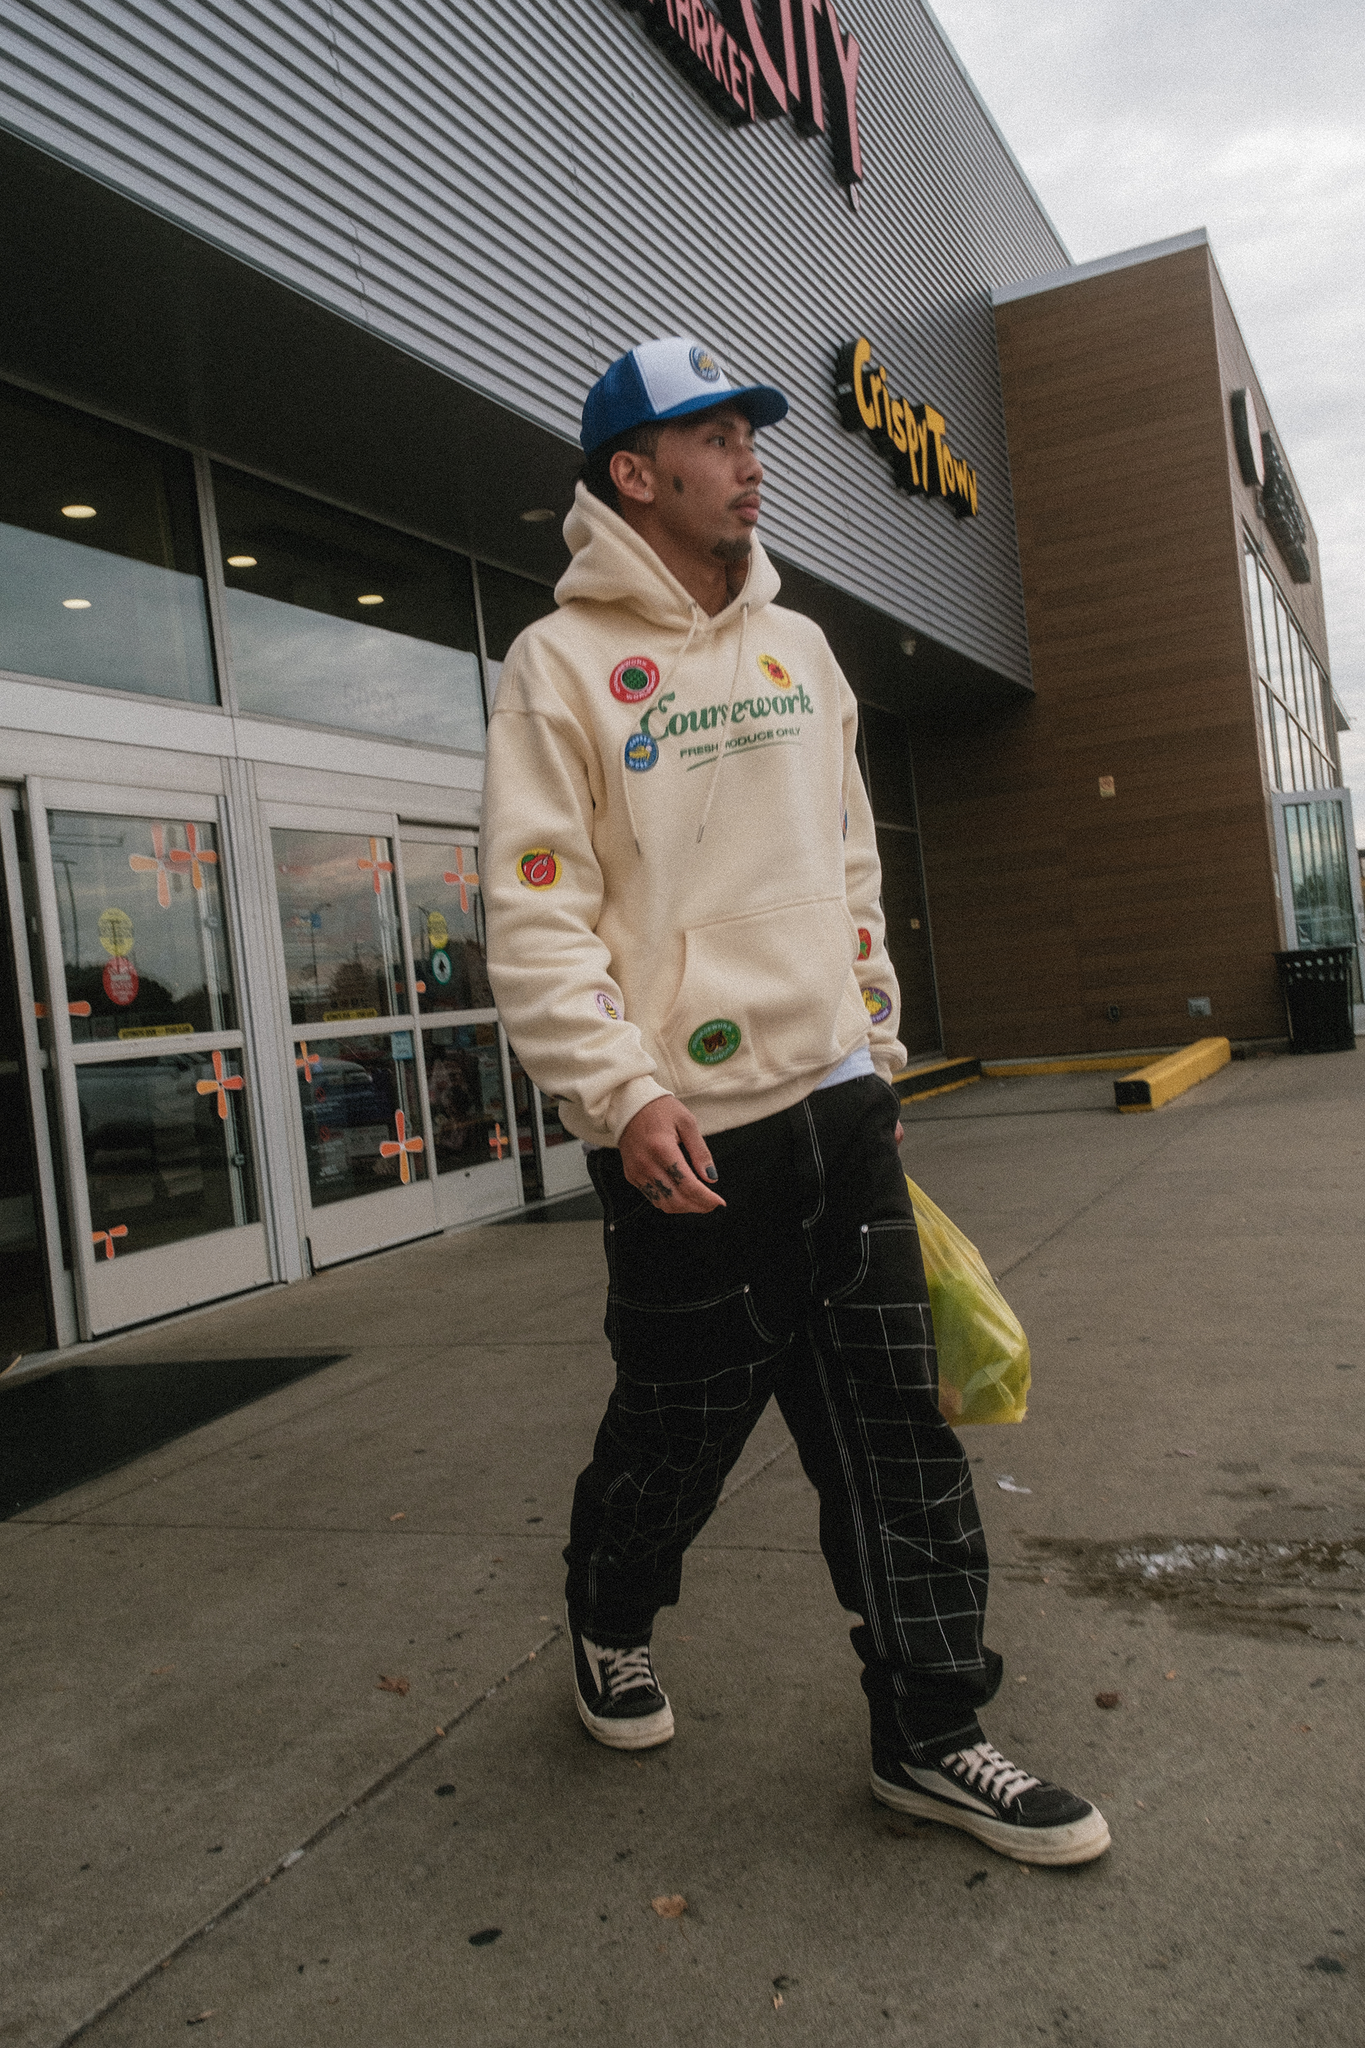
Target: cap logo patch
{"x":878,"y":1004}
{"x":705,"y":365}
{"x":774,"y":671}
{"x":642,"y":751}
{"x":713,"y":1042}
{"x":607,"y":1006}
{"x":539,"y":868}
{"x":864,"y":942}
{"x":634,"y":679}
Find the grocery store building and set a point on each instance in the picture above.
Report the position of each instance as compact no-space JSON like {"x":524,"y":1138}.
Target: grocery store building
{"x":301,"y":303}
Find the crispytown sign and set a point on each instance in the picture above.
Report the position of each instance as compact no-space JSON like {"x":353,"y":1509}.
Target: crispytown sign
{"x":914,"y":438}
{"x":756,"y":60}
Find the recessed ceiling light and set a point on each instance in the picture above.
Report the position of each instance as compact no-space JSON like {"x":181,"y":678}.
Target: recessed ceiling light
{"x":537,"y":516}
{"x":78,"y":511}
{"x":75,"y":604}
{"x":241,"y":561}
{"x":909,"y":644}
{"x":372,"y":598}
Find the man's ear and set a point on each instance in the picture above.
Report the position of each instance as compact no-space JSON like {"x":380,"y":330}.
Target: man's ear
{"x":633,"y":476}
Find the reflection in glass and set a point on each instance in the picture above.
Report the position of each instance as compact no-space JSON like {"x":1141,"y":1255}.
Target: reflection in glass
{"x":140,"y":905}
{"x":509,"y":604}
{"x":166,"y":1150}
{"x":523,"y":1102}
{"x":109,"y":591}
{"x":468,"y":1101}
{"x":334,"y":620}
{"x":342,"y":956}
{"x":445,"y":917}
{"x":555,"y":1133}
{"x":362,"y":1127}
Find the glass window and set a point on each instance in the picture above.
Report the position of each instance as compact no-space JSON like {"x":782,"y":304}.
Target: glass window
{"x":140,"y":902}
{"x":468,"y":1100}
{"x":555,"y":1133}
{"x":1257,"y":621}
{"x":445,"y":917}
{"x":166,"y":1149}
{"x":342,"y":956}
{"x":1272,"y":766}
{"x":509,"y":604}
{"x":361,"y":1121}
{"x":334,"y":620}
{"x":99,"y":556}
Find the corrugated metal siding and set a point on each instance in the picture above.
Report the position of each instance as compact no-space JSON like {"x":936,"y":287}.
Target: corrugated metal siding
{"x":516,"y":192}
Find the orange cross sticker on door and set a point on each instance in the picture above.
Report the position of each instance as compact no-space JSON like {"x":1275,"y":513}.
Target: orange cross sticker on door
{"x":464,"y":879}
{"x":400,"y":1147}
{"x":376,"y":866}
{"x":157,"y":863}
{"x":220,"y":1083}
{"x":191,"y":854}
{"x":307,"y":1060}
{"x":106,"y":1237}
{"x":497,"y":1144}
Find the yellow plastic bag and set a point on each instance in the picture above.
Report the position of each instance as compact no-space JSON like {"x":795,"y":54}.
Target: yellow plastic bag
{"x":983,"y":1357}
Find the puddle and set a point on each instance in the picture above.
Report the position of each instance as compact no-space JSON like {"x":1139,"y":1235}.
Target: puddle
{"x":1313,"y":1587}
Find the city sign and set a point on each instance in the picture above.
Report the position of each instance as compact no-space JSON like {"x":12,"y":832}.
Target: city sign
{"x":760,"y":60}
{"x":913,"y":438}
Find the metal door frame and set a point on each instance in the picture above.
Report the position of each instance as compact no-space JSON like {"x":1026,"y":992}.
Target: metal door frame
{"x":61,"y":1283}
{"x":241,"y":1272}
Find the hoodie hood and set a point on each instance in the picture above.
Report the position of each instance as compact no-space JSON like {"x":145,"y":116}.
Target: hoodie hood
{"x":613,"y":565}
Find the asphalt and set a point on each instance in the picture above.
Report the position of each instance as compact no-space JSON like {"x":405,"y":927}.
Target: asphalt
{"x":227,"y":1804}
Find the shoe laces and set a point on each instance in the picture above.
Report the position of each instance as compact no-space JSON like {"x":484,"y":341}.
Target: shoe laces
{"x":625,"y":1670}
{"x":985,"y":1770}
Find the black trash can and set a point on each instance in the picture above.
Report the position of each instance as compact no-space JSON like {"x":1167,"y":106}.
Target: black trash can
{"x":1317,"y":998}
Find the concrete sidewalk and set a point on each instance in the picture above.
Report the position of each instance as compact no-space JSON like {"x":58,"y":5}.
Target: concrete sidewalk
{"x":195,"y":1644}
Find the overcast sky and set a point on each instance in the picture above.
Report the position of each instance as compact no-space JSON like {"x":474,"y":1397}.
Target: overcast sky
{"x":1139,"y":119}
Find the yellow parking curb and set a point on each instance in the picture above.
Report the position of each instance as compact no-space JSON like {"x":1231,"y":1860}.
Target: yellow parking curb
{"x":1161,"y":1082}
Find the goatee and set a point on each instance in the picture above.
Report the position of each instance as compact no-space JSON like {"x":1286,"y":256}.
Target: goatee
{"x":732,"y":552}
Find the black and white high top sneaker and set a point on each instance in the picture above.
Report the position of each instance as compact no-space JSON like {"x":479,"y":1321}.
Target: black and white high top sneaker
{"x":620,"y":1701}
{"x":983,"y":1793}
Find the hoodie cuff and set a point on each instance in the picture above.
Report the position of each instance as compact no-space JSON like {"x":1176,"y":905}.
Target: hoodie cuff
{"x":628,"y":1101}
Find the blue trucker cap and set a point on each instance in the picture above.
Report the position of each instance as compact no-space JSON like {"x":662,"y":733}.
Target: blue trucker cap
{"x":666,"y":380}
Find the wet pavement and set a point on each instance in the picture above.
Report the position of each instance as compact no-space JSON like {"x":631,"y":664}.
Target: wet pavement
{"x":228,"y":1806}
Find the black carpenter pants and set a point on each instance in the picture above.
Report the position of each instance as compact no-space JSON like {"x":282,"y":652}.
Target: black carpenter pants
{"x":808,"y":1285}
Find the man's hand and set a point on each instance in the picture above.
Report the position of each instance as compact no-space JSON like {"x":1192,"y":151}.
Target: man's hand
{"x":663,"y":1152}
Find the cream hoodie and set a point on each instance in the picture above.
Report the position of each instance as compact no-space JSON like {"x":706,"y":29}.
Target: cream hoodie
{"x":678,"y":863}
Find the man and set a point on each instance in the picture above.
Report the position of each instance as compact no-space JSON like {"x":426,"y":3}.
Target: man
{"x":687,"y":947}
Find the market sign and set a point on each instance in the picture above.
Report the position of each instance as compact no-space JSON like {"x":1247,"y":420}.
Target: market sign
{"x":758,"y":60}
{"x":913,"y":438}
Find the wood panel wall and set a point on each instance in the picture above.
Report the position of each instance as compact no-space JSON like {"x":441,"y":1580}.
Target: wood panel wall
{"x":1051,"y":902}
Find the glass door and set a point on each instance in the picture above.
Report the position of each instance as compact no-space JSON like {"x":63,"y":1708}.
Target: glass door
{"x":364,"y":1129}
{"x":1320,"y":872}
{"x":143,"y":1026}
{"x":464,"y":1050}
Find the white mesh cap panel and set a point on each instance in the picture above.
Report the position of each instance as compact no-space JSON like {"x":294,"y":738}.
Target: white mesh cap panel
{"x":679,"y":370}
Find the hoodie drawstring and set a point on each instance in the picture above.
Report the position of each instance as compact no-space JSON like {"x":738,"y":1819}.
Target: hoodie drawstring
{"x":725,"y":725}
{"x":672,"y":672}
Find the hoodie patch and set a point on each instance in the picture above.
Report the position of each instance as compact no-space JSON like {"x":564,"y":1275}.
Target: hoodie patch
{"x":877,"y":1003}
{"x":713,"y":1042}
{"x":539,"y":868}
{"x":864,"y":942}
{"x":642,"y":751}
{"x":634,"y":679}
{"x":772,"y":668}
{"x":607,"y":1006}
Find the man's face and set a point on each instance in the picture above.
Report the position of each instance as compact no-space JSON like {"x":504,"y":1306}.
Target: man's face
{"x":707,"y":479}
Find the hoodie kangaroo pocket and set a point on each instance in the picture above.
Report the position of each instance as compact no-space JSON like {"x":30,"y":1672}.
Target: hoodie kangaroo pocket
{"x":764,"y":996}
